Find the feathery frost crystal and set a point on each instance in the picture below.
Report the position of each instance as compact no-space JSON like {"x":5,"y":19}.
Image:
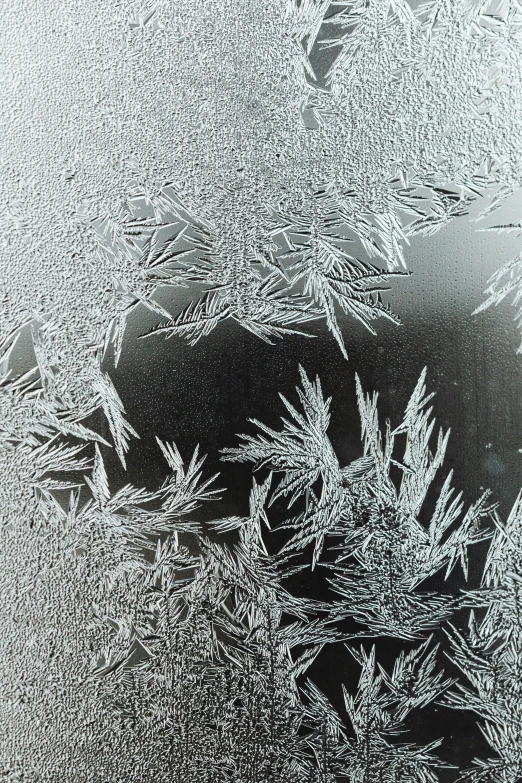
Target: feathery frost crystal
{"x":267,"y":162}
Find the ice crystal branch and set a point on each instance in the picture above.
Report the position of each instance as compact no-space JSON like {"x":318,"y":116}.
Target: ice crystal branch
{"x":504,"y":284}
{"x":374,"y":506}
{"x":366,"y":748}
{"x":377,"y":713}
{"x":490,"y":655}
{"x":213,"y":674}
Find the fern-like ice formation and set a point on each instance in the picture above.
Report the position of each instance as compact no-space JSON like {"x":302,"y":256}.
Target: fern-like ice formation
{"x":506,"y":282}
{"x":139,"y":643}
{"x":490,"y":656}
{"x":187,"y":158}
{"x":210,"y":692}
{"x":377,"y":714}
{"x":134,"y":646}
{"x":149,"y":145}
{"x":372,"y":507}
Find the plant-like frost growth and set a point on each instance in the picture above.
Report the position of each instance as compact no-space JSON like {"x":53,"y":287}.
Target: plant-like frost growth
{"x":373,"y":507}
{"x":196,"y":160}
{"x":490,"y":655}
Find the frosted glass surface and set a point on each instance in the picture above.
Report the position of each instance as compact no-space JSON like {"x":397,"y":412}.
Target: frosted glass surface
{"x":260,"y":382}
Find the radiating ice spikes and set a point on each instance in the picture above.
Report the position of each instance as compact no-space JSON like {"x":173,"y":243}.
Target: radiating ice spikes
{"x":211,"y":660}
{"x":377,"y":712}
{"x":489,"y":656}
{"x":506,"y":283}
{"x":373,"y":508}
{"x":152,"y":146}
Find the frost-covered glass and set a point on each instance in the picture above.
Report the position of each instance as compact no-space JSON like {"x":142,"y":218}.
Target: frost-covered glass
{"x":318,"y":204}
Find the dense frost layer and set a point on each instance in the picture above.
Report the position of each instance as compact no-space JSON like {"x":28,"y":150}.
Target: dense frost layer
{"x":191,"y":144}
{"x":184,"y":157}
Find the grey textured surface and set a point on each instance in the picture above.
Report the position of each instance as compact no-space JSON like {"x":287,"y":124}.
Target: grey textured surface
{"x":265,"y":184}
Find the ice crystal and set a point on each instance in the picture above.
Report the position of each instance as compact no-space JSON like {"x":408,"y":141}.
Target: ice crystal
{"x":490,"y":655}
{"x":366,"y":748}
{"x":149,"y":145}
{"x":374,"y":506}
{"x":200,"y":161}
{"x":377,"y":713}
{"x":209,"y":691}
{"x":506,"y":283}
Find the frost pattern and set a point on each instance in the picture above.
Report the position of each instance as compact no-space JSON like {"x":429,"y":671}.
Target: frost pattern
{"x":185,"y":158}
{"x":133,"y":655}
{"x":372,"y":507}
{"x":378,"y":712}
{"x":506,"y":283}
{"x":490,"y":655}
{"x":190,"y":148}
{"x":143,"y":644}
